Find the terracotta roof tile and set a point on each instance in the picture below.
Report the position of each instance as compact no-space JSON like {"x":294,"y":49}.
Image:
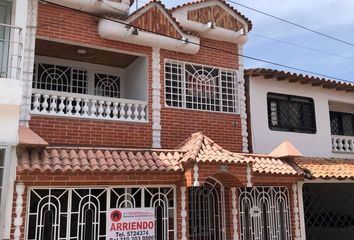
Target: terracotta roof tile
{"x":73,"y":160}
{"x":29,"y":138}
{"x":266,"y":164}
{"x":326,"y":168}
{"x":248,"y":21}
{"x":304,"y":79}
{"x":200,"y":148}
{"x":286,"y":149}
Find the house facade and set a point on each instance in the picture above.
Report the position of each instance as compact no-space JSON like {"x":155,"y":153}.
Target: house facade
{"x":124,"y":109}
{"x":316,"y":116}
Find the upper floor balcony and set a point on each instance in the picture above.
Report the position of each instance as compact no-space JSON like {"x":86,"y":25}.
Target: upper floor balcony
{"x":83,"y":82}
{"x":342,"y":127}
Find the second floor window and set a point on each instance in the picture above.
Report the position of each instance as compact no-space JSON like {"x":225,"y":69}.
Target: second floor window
{"x":201,"y":87}
{"x":70,"y":78}
{"x":291,"y":113}
{"x":342,"y":123}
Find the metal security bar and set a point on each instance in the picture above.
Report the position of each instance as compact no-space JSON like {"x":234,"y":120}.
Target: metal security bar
{"x":264,"y":213}
{"x":329,"y":211}
{"x":195,"y":86}
{"x":80,"y":213}
{"x":206,"y":210}
{"x":10,"y":51}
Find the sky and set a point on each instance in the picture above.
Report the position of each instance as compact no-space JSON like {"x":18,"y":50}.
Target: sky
{"x":332,"y":17}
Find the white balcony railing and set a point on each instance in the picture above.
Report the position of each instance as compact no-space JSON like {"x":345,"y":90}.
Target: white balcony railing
{"x":10,"y":51}
{"x":87,"y":106}
{"x":342,"y":144}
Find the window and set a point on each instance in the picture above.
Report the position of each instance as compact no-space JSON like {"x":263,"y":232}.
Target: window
{"x":80,"y":213}
{"x":291,"y":113}
{"x":264,"y":213}
{"x":342,"y":123}
{"x":67,"y":77}
{"x":201,"y":87}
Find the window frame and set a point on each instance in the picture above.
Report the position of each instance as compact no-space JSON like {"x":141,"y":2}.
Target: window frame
{"x":5,"y":184}
{"x":108,"y":190}
{"x":341,"y":114}
{"x":91,"y":69}
{"x":237,"y":89}
{"x":290,"y":98}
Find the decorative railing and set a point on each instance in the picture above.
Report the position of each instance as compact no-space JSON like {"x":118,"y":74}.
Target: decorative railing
{"x":343,"y":144}
{"x":87,"y":106}
{"x":11,"y":47}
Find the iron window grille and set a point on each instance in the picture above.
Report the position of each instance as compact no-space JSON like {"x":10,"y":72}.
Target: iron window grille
{"x":67,"y":77}
{"x":201,"y":87}
{"x":291,"y":113}
{"x":206,"y":211}
{"x":328,"y":211}
{"x":342,"y":123}
{"x":80,"y":213}
{"x":264,"y":213}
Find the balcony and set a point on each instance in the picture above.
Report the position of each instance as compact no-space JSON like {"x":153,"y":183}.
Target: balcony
{"x":88,"y":83}
{"x":342,"y":144}
{"x":342,"y":127}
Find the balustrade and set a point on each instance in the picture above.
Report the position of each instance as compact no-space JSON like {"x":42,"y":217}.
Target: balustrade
{"x":343,"y":144}
{"x":87,"y":106}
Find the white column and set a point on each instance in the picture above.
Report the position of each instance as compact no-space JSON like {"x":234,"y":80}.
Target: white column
{"x":242,"y":99}
{"x":234,"y":213}
{"x":20,"y":189}
{"x":183,"y":213}
{"x":28,"y":61}
{"x":156,"y":101}
{"x":196,"y":175}
{"x":296,"y":213}
{"x":301,"y":210}
{"x":249,"y":175}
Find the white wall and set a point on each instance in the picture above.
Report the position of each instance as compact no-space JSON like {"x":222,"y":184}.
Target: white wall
{"x":265,"y":140}
{"x":136,"y":80}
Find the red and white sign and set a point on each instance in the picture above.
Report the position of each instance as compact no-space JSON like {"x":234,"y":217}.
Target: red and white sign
{"x":131,"y":224}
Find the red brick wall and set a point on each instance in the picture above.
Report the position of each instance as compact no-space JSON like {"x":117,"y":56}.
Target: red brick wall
{"x":177,"y":124}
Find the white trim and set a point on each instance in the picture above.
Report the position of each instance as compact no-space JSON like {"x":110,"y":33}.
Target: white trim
{"x":183,"y":214}
{"x":234,"y":214}
{"x":27,"y":73}
{"x":196,"y":176}
{"x":18,"y":221}
{"x":249,"y":175}
{"x":296,"y":213}
{"x":4,"y":188}
{"x":156,"y":99}
{"x":301,"y":211}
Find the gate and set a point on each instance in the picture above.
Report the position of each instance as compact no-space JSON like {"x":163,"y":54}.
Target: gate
{"x":206,"y":209}
{"x":264,"y":213}
{"x":329,"y":211}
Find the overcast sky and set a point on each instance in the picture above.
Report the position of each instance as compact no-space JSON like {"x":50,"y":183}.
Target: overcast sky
{"x":333,"y":17}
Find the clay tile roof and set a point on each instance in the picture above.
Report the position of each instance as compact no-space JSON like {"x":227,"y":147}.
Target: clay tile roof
{"x":248,"y":21}
{"x":266,"y":164}
{"x":326,"y":168}
{"x":29,"y":138}
{"x":92,"y":160}
{"x":286,"y":149}
{"x":200,"y":148}
{"x":303,"y":79}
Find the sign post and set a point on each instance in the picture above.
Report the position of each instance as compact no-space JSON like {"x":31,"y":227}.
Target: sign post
{"x":131,"y":224}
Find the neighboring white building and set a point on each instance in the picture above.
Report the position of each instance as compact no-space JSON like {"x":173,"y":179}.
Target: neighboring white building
{"x":13,"y":17}
{"x":315,"y":115}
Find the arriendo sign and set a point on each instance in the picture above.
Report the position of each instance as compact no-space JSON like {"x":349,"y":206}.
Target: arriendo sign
{"x":131,"y":224}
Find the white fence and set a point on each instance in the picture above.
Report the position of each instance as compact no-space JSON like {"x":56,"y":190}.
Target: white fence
{"x":343,"y":144}
{"x":87,"y":106}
